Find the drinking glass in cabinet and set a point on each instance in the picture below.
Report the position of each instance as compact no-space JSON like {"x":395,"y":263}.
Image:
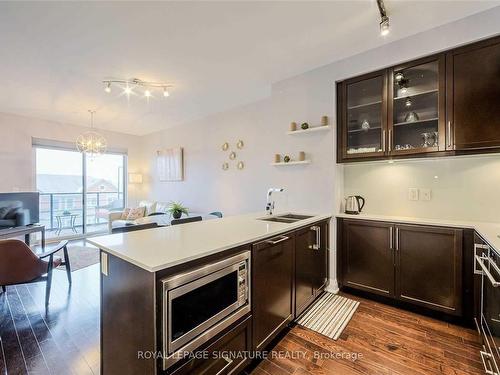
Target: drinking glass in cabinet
{"x":364,"y":116}
{"x":416,"y":107}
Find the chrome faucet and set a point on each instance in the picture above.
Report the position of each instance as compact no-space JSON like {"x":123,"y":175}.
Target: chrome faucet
{"x":270,"y":203}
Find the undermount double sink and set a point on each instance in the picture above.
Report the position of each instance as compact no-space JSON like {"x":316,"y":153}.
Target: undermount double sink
{"x":287,"y":218}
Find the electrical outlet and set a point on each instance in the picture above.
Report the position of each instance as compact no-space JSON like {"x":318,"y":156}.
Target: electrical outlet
{"x":425,"y":194}
{"x":413,"y":194}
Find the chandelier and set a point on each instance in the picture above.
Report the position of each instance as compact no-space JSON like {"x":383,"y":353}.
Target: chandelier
{"x":91,"y":142}
{"x":131,"y":86}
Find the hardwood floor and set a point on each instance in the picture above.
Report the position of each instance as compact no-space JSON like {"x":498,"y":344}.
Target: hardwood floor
{"x":387,"y":341}
{"x":65,"y":338}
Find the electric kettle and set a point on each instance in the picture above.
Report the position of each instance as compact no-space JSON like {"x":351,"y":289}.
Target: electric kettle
{"x":354,"y":204}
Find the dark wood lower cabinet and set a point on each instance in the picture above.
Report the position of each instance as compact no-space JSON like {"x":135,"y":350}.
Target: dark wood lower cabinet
{"x":429,"y":267}
{"x":223,"y":356}
{"x":272,"y":287}
{"x":367,"y":258}
{"x":415,"y":264}
{"x":311,"y":264}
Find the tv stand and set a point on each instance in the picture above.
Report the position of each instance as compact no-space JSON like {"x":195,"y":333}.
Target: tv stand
{"x":24,"y":230}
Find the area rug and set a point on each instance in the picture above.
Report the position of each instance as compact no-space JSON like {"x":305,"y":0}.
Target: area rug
{"x":80,"y":256}
{"x":329,"y":315}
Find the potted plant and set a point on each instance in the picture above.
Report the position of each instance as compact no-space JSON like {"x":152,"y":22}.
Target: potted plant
{"x":177,"y":209}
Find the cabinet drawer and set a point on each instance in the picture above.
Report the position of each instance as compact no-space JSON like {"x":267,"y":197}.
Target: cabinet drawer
{"x":223,"y":357}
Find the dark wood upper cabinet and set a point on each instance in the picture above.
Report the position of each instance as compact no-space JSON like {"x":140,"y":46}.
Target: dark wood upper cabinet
{"x":441,"y":105}
{"x":272,"y":287}
{"x":416,"y":115}
{"x":367,"y":256}
{"x":363,"y":118}
{"x":429,"y":267}
{"x":473,"y":96}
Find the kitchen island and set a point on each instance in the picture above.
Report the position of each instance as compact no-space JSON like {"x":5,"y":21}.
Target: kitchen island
{"x":228,"y":285}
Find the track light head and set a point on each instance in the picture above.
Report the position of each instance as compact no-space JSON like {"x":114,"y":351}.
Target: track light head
{"x":108,"y":87}
{"x":384,"y":26}
{"x":166,"y":94}
{"x":147,"y":93}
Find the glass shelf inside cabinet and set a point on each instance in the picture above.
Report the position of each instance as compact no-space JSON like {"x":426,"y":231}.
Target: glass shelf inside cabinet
{"x":364,"y":116}
{"x":415,"y":107}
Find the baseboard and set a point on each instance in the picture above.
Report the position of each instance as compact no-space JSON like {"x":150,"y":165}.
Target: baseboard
{"x":333,"y":286}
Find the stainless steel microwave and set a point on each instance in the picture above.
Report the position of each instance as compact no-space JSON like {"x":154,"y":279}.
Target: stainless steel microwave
{"x":200,"y":303}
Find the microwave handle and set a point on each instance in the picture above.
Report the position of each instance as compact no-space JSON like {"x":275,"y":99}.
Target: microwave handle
{"x":486,"y":271}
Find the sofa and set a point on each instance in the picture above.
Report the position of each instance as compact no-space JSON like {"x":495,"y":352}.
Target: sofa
{"x":12,"y":214}
{"x":150,"y":208}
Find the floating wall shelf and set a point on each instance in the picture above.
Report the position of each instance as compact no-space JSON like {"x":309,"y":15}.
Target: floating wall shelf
{"x":292,"y":163}
{"x":310,"y":130}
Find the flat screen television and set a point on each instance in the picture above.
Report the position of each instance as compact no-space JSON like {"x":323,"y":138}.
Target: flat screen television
{"x":18,"y":209}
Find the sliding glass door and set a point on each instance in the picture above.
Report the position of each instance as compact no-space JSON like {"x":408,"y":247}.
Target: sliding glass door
{"x":104,"y":189}
{"x":78,"y":192}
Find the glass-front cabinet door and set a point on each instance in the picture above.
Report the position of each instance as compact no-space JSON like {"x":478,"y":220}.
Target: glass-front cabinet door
{"x":364,"y":119}
{"x":416,"y":102}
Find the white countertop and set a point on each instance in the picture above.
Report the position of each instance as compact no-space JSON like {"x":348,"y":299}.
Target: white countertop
{"x":490,"y":232}
{"x":159,"y":248}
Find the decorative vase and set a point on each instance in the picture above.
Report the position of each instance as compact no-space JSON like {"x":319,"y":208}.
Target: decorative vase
{"x":324,"y":120}
{"x":293,"y":126}
{"x":286,"y":159}
{"x":302,"y":156}
{"x":277,"y":158}
{"x":304,"y":126}
{"x":177,"y":214}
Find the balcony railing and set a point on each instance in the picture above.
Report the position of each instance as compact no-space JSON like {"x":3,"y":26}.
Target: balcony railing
{"x":56,"y":207}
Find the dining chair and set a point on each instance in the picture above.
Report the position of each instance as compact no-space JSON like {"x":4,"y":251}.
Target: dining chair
{"x":20,"y":265}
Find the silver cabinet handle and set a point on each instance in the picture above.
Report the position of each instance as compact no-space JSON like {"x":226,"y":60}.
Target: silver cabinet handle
{"x":448,"y":130}
{"x":391,"y":238}
{"x":276,"y":240}
{"x":397,"y":239}
{"x":478,"y":251}
{"x":383,"y":140}
{"x":486,"y":271}
{"x":229,"y":363}
{"x":486,"y":369}
{"x":390,"y":140}
{"x":316,"y":246}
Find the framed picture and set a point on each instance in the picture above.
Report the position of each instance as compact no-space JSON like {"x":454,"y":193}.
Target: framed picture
{"x":170,"y":164}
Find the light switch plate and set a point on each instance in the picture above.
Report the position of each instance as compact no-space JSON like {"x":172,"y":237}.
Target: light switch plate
{"x":413,"y":194}
{"x":425,"y":194}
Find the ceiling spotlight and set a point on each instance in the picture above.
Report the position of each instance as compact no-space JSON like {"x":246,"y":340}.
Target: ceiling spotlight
{"x":127,"y":90}
{"x":384,"y":19}
{"x":399,"y":76}
{"x":384,"y":26}
{"x":147,"y":94}
{"x":165,"y":92}
{"x":108,"y":87}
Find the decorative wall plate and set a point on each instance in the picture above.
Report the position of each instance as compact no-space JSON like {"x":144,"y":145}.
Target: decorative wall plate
{"x":240,"y":144}
{"x":225,"y":166}
{"x":225,"y":146}
{"x":232,"y":155}
{"x":240,"y":165}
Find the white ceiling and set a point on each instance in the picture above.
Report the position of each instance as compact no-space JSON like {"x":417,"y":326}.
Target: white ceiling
{"x":217,"y":54}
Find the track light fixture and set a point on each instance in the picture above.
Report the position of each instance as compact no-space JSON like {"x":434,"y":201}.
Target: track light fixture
{"x":129,"y":84}
{"x":384,"y":19}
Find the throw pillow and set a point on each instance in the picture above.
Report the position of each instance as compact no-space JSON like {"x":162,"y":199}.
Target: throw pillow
{"x":3,"y":212}
{"x":135,"y":213}
{"x":125,"y":214}
{"x":162,"y":207}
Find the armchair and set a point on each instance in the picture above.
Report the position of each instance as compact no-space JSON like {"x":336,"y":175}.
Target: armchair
{"x":19,"y":265}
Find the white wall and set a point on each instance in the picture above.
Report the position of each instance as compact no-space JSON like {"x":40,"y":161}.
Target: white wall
{"x":262,"y":125}
{"x":464,"y":188}
{"x":17,"y":161}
